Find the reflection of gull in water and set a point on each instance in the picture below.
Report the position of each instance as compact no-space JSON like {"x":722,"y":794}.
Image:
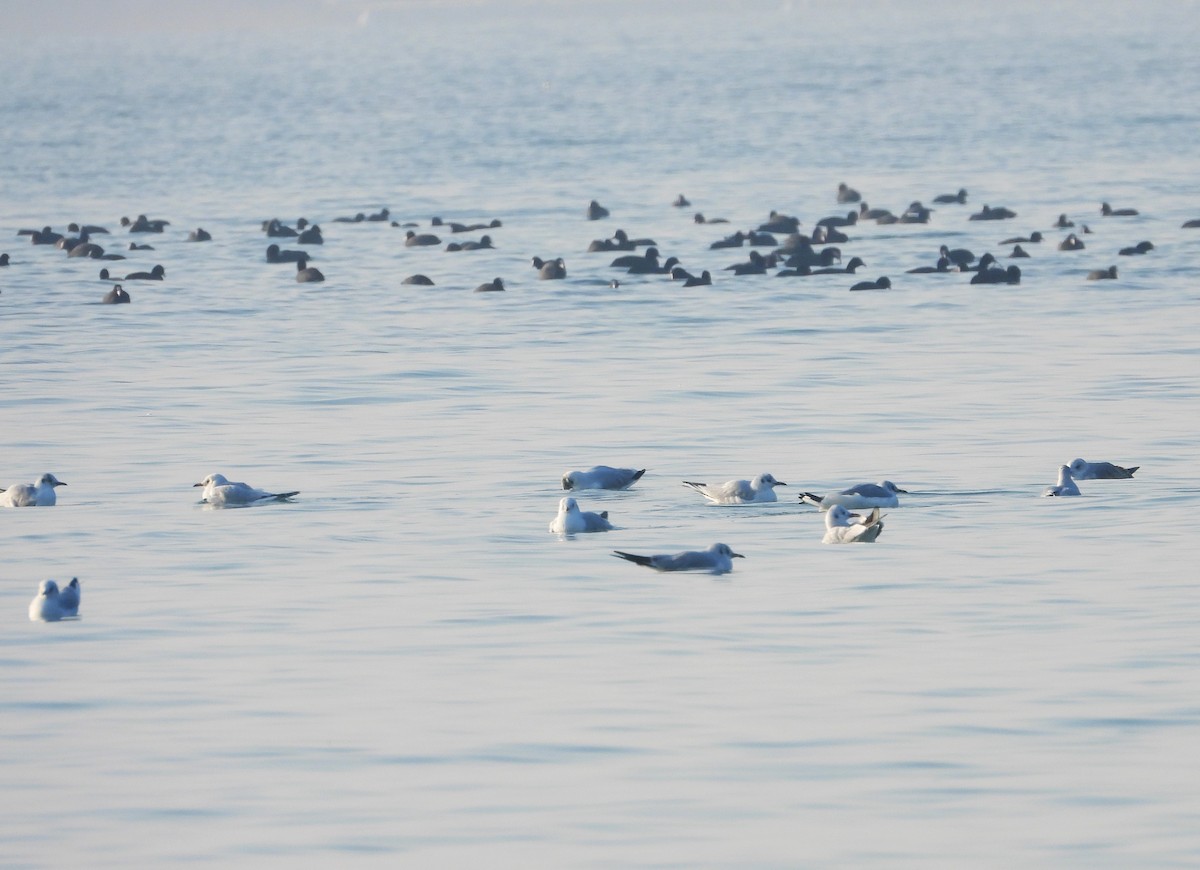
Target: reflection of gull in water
{"x":220,"y":492}
{"x":601,"y":477}
{"x":760,"y":489}
{"x":1081,"y":470}
{"x":571,"y":519}
{"x":843,"y":527}
{"x":717,"y":559}
{"x":40,"y":494}
{"x":859,"y":496}
{"x":1065,"y":485}
{"x":52,"y":604}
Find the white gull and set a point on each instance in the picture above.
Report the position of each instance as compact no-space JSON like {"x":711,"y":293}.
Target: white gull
{"x":602,"y":477}
{"x":40,"y":494}
{"x":760,"y":489}
{"x":843,"y":527}
{"x":220,"y":492}
{"x":1065,"y":486}
{"x":571,"y":520}
{"x":1081,"y":470}
{"x":860,"y":496}
{"x":52,"y":604}
{"x":717,"y":559}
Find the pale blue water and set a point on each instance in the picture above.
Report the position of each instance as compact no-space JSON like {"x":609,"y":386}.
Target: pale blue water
{"x":403,"y":667}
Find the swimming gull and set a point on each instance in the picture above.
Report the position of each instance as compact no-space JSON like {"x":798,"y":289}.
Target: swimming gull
{"x":52,"y":604}
{"x":602,"y":477}
{"x":860,"y":496}
{"x":1081,"y":470}
{"x":843,"y":527}
{"x":571,"y":520}
{"x":717,"y":559}
{"x":760,"y":489}
{"x":1065,"y":486}
{"x":40,"y":494}
{"x":220,"y":492}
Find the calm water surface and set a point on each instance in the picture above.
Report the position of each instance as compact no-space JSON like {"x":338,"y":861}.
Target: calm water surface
{"x":403,"y":667}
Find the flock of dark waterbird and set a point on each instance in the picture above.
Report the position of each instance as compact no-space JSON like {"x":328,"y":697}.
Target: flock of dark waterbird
{"x":777,"y":245}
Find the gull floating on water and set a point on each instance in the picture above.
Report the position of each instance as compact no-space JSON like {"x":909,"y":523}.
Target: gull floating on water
{"x":220,"y":492}
{"x":717,"y":559}
{"x":571,"y":520}
{"x":843,"y":527}
{"x":1065,"y":486}
{"x":1081,"y":470}
{"x":860,"y":496}
{"x":40,"y":494}
{"x":760,"y":489}
{"x":602,"y":477}
{"x":52,"y":604}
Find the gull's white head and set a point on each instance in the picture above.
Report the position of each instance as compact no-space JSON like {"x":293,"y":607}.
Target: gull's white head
{"x":767,"y":480}
{"x":726,"y":550}
{"x":212,"y":480}
{"x":837,"y":515}
{"x":48,"y":589}
{"x":1064,"y":475}
{"x":567,"y":505}
{"x":891,"y":487}
{"x":50,"y":480}
{"x":1078,"y":466}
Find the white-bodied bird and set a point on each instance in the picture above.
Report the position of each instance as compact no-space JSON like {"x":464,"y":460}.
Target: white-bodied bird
{"x":220,"y":492}
{"x":1081,"y":470}
{"x":40,"y":494}
{"x":843,"y":527}
{"x":1066,"y":484}
{"x":602,"y":477}
{"x":52,"y":604}
{"x":760,"y":489}
{"x":717,"y":559}
{"x":858,"y":497}
{"x":571,"y":520}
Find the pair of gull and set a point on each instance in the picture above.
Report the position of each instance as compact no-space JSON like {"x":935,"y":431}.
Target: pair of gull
{"x":1082,"y":470}
{"x":218,"y":491}
{"x":841,"y":525}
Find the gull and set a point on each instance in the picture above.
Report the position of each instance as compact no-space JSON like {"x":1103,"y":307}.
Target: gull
{"x":52,"y":604}
{"x":1081,"y":470}
{"x":220,"y":492}
{"x":602,"y":477}
{"x":40,"y":494}
{"x":843,"y":527}
{"x":862,"y":495}
{"x":571,"y":519}
{"x":1065,"y":486}
{"x":760,"y":489}
{"x":717,"y":559}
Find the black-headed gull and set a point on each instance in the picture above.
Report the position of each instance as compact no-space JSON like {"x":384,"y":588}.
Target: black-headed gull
{"x":602,"y":477}
{"x":717,"y":559}
{"x":843,"y":527}
{"x":1065,"y":486}
{"x":220,"y":492}
{"x":52,"y":604}
{"x":571,"y":520}
{"x":40,"y":494}
{"x":858,"y":497}
{"x":760,"y":489}
{"x":1081,"y":470}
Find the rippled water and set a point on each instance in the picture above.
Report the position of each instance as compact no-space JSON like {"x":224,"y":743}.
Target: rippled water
{"x":403,"y":666}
